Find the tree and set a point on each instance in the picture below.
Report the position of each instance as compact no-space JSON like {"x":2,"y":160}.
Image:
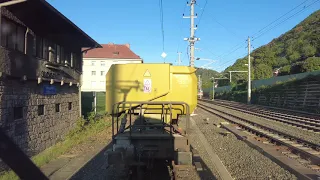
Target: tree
{"x":263,"y":71}
{"x":311,"y":64}
{"x":287,"y":52}
{"x":285,"y":70}
{"x":308,"y":50}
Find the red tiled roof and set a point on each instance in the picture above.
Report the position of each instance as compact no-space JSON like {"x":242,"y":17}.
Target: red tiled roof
{"x":113,"y":51}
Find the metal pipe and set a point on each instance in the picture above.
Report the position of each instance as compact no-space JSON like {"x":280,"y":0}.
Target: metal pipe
{"x":26,"y":41}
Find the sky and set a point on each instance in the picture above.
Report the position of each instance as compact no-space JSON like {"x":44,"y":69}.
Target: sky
{"x":223,"y":26}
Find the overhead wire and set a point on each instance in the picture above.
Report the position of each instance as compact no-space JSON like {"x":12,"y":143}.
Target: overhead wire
{"x":180,"y":28}
{"x":204,"y":7}
{"x":161,"y":22}
{"x":261,"y":34}
{"x":215,"y":20}
{"x":280,"y":17}
{"x":304,"y":8}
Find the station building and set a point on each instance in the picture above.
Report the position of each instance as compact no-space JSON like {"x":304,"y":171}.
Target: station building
{"x":40,"y":70}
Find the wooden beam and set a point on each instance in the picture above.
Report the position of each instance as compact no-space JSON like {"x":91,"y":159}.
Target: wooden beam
{"x":12,"y":2}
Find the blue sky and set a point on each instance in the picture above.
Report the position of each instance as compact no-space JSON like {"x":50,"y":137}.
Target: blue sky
{"x":224,"y":24}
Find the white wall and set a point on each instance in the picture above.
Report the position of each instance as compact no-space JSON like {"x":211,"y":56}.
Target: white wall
{"x":91,"y":82}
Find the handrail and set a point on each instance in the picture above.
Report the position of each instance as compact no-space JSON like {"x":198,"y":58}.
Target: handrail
{"x":116,"y":107}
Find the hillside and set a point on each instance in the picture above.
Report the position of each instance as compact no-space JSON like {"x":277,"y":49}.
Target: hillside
{"x":296,"y":51}
{"x":206,"y":74}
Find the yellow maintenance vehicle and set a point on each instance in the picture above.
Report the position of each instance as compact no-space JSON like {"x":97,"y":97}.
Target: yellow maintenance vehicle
{"x":146,"y":101}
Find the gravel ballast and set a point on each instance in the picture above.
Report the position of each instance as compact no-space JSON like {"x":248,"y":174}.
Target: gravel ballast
{"x":242,"y":161}
{"x":281,"y":127}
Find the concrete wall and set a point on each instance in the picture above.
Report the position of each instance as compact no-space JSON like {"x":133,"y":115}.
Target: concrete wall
{"x":97,"y":82}
{"x":33,"y":132}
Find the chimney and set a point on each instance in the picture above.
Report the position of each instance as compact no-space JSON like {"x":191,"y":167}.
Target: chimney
{"x":128,"y":45}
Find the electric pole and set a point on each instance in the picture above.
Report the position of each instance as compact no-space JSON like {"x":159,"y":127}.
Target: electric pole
{"x":192,"y":33}
{"x":213,"y":85}
{"x":179,"y":61}
{"x":192,"y":39}
{"x":199,"y":86}
{"x":249,"y":73}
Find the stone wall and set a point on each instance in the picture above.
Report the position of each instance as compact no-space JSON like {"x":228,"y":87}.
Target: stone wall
{"x":34,"y":132}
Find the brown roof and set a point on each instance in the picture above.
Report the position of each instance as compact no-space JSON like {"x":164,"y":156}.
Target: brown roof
{"x":112,"y":51}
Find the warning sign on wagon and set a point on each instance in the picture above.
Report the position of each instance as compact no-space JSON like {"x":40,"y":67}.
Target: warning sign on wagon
{"x":147,"y":85}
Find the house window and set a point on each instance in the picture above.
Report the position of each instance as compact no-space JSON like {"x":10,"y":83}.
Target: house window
{"x":58,"y":107}
{"x":102,"y":73}
{"x":17,"y":113}
{"x":12,"y":35}
{"x":40,"y":110}
{"x":58,"y":53}
{"x":102,"y":83}
{"x":61,"y":55}
{"x":45,"y":49}
{"x":20,"y":38}
{"x":103,"y":63}
{"x":69,"y":106}
{"x":72,"y":60}
{"x":93,"y":83}
{"x":93,"y":63}
{"x":93,"y":73}
{"x":52,"y":52}
{"x":39,"y":47}
{"x":67,"y":56}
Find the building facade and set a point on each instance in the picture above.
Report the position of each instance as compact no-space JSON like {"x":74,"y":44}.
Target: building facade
{"x":40,"y":69}
{"x":97,"y":62}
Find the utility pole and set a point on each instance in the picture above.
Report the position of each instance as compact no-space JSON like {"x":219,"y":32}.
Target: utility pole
{"x":213,"y":83}
{"x":192,"y":33}
{"x":200,"y":86}
{"x":213,"y":86}
{"x":179,"y":61}
{"x":192,"y":39}
{"x":249,"y":73}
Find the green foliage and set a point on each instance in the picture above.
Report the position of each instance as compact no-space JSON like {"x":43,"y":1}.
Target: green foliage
{"x":311,"y":64}
{"x":263,"y":71}
{"x":285,"y":70}
{"x":285,"y":52}
{"x":206,"y":75}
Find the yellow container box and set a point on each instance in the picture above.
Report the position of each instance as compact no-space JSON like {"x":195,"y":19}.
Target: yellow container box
{"x":151,"y":82}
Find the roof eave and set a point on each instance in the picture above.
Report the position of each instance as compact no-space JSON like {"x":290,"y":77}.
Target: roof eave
{"x":94,"y":43}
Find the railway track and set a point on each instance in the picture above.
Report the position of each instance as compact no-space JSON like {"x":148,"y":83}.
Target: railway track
{"x":298,"y":121}
{"x":276,"y":110}
{"x":306,"y":149}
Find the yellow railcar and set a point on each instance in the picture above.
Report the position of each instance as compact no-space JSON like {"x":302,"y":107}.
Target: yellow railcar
{"x":151,"y":82}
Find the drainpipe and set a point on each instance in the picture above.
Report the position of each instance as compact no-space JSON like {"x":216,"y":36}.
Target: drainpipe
{"x":26,"y":41}
{"x":80,"y":106}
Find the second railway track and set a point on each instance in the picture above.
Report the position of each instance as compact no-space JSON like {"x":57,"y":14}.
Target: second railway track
{"x":305,"y":148}
{"x":305,"y":123}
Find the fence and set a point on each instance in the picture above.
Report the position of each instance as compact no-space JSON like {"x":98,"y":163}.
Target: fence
{"x":302,"y":96}
{"x":266,"y":82}
{"x":87,"y":102}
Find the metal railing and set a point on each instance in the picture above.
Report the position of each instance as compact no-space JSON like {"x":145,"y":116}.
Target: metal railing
{"x":166,"y":109}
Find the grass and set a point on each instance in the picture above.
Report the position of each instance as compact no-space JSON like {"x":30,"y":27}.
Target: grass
{"x":82,"y":132}
{"x":101,"y":102}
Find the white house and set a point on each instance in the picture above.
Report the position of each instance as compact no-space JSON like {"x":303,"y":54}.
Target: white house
{"x":96,"y":63}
